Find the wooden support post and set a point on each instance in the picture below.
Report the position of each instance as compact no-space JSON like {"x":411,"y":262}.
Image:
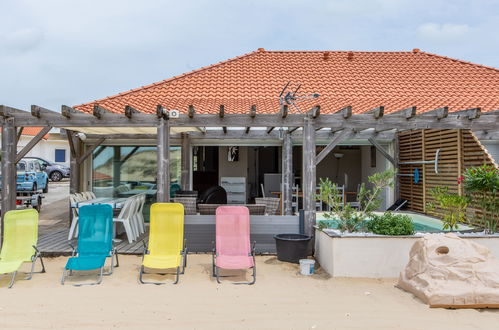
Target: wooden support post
{"x":309,"y":175}
{"x":186,"y":161}
{"x":287,"y":174}
{"x":163,"y":177}
{"x":396,"y":150}
{"x":116,"y":166}
{"x":8,"y":167}
{"x":74,"y":178}
{"x":19,"y":134}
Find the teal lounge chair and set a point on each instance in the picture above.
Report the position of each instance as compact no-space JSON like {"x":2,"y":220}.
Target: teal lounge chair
{"x":95,"y":242}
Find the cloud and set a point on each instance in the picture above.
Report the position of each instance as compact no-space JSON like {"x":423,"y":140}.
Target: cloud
{"x":443,"y":32}
{"x":20,"y":41}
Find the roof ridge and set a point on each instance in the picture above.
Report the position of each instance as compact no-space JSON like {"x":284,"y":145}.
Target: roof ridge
{"x":183,"y":75}
{"x":461,"y":61}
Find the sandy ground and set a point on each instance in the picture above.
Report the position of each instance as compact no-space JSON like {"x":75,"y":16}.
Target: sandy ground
{"x":281,"y":299}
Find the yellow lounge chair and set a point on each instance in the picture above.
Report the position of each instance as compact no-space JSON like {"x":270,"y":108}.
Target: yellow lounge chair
{"x":167,"y":247}
{"x":19,"y":245}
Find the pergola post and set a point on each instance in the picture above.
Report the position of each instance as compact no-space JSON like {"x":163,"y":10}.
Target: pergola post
{"x":309,"y":174}
{"x":163,"y":183}
{"x":74,"y":166}
{"x":287,"y":174}
{"x":9,"y":141}
{"x":116,"y":166}
{"x":186,"y":161}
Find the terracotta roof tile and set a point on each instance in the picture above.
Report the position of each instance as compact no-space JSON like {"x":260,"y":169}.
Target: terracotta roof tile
{"x":364,"y":80}
{"x":31,"y":131}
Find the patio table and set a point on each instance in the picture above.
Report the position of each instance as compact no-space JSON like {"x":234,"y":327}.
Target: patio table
{"x":116,"y":203}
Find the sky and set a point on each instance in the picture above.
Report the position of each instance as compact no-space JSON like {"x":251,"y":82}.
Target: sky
{"x":55,"y":52}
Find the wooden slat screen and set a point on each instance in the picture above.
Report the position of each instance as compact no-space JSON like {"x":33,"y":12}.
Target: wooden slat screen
{"x":459,"y":149}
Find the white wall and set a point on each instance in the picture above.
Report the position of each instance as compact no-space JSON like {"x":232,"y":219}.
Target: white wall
{"x":45,"y":148}
{"x":349,"y":164}
{"x":492,"y":148}
{"x":381,"y":165}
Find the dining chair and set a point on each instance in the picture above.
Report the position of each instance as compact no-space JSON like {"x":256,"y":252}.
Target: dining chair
{"x":140,"y":215}
{"x":126,"y":218}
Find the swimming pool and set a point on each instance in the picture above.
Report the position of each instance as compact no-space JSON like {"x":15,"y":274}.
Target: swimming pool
{"x":421,"y":222}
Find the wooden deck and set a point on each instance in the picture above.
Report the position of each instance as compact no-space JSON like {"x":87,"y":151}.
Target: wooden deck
{"x":56,"y":244}
{"x":199,"y":230}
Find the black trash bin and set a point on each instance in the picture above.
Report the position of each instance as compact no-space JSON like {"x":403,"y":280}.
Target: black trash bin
{"x":292,"y":247}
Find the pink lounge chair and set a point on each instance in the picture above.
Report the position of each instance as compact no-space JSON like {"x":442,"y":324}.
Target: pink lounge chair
{"x":233,"y":249}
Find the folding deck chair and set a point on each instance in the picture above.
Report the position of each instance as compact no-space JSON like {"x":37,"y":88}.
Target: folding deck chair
{"x":233,"y":249}
{"x":20,"y":238}
{"x":95,"y":242}
{"x":167,"y":246}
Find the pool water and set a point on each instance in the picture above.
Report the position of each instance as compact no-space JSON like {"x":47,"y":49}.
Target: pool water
{"x":421,"y":222}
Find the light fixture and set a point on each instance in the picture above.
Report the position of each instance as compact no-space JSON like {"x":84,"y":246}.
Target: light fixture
{"x":338,"y":155}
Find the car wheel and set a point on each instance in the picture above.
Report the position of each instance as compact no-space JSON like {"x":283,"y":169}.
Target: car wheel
{"x":39,"y":206}
{"x":46,"y":189}
{"x":56,"y":176}
{"x":35,"y":187}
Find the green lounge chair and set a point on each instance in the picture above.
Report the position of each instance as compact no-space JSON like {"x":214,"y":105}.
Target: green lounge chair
{"x":19,"y":245}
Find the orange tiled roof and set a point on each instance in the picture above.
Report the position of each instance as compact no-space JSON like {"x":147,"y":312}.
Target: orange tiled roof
{"x":32,"y":131}
{"x":364,"y":80}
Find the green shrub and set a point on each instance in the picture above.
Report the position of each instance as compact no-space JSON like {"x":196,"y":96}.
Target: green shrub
{"x":391,"y":224}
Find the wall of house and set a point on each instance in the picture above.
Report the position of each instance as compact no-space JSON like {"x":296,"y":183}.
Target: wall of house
{"x":233,"y":169}
{"x":45,"y":148}
{"x":349,"y":165}
{"x":492,"y":148}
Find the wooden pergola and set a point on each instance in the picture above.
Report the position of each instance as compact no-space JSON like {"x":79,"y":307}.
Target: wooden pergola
{"x":308,"y":127}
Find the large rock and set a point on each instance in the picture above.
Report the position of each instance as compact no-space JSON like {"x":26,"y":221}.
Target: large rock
{"x":447,"y":271}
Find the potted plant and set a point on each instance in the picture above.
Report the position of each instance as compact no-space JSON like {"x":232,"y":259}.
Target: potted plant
{"x":481,"y":185}
{"x":352,"y":219}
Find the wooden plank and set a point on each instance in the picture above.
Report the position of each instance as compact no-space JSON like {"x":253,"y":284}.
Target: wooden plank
{"x":439,"y":113}
{"x":99,"y":112}
{"x":252,"y":112}
{"x":470,"y":114}
{"x":284,"y":111}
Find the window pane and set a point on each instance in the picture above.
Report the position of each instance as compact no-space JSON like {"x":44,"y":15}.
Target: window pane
{"x":124,"y":171}
{"x":60,"y":155}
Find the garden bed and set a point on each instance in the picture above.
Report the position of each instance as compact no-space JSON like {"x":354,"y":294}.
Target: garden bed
{"x":375,"y":256}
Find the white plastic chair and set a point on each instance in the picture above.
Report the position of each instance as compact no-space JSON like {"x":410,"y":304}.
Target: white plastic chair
{"x":141,"y":199}
{"x":73,"y":229}
{"x":126,"y":218}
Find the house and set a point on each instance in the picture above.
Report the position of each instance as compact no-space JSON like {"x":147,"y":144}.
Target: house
{"x":53,"y":146}
{"x":280,"y":119}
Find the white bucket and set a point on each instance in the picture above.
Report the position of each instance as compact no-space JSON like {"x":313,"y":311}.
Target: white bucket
{"x":307,"y":266}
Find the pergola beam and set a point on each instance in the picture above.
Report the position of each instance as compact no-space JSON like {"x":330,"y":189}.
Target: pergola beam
{"x":439,"y":113}
{"x":130,"y":112}
{"x":339,"y":137}
{"x":346,"y":112}
{"x":377,"y":113}
{"x":32,"y":143}
{"x":407,"y":113}
{"x":191,"y":111}
{"x":436,"y":119}
{"x":470,"y":114}
{"x":99,"y":112}
{"x":90,"y":150}
{"x":284,"y":111}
